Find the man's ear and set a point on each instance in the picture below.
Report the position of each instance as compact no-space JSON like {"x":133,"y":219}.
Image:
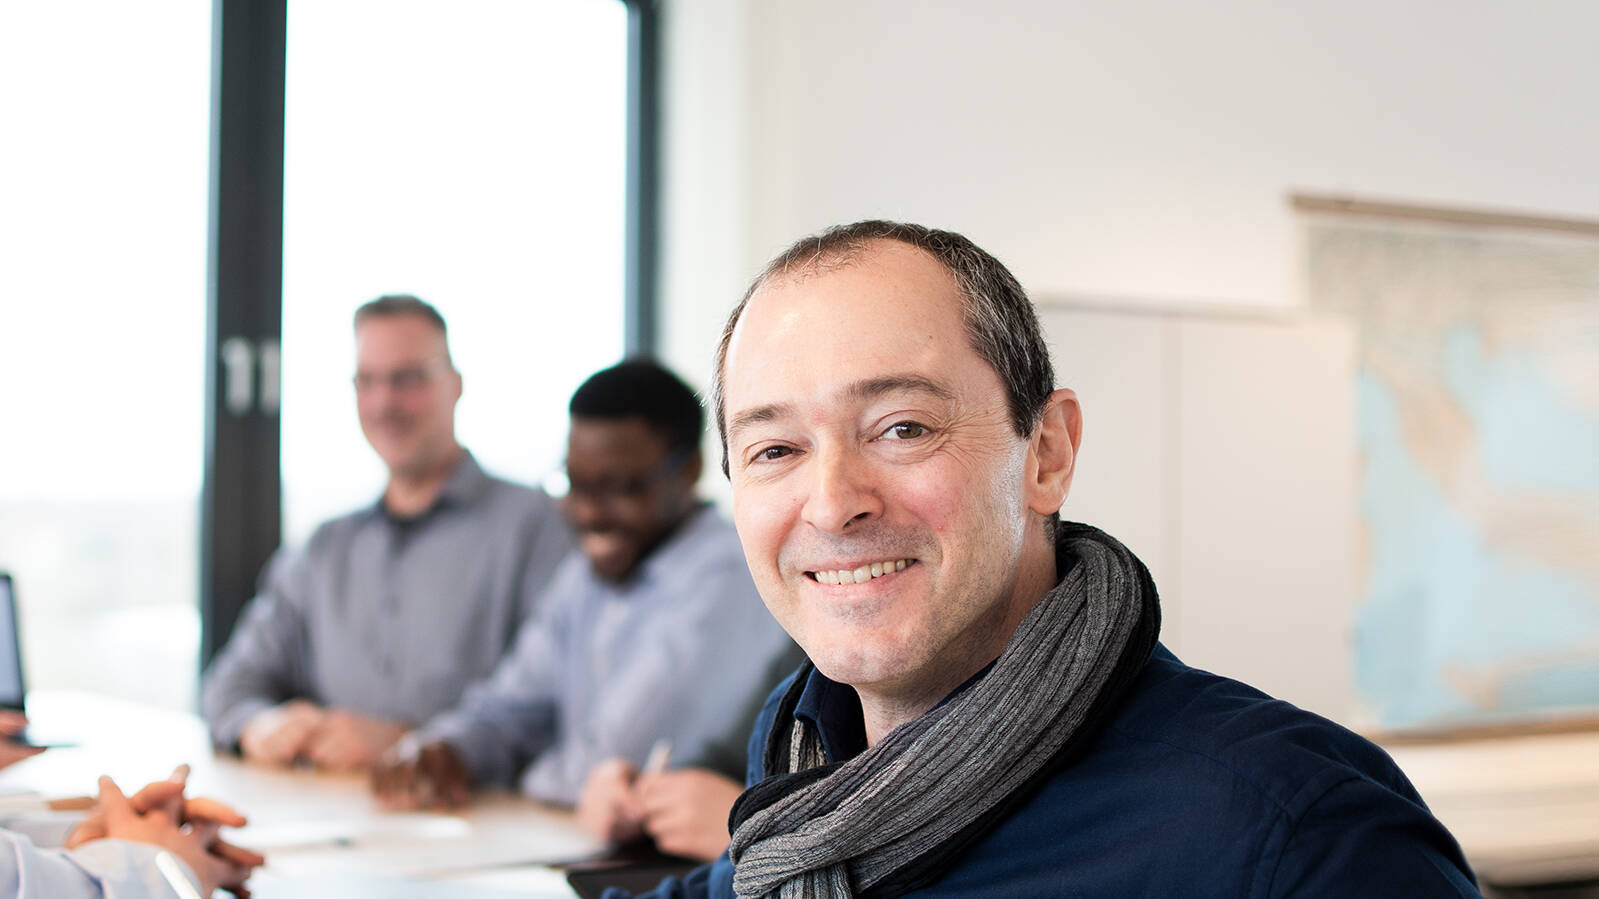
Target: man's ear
{"x":1052,"y":453}
{"x":693,"y":468}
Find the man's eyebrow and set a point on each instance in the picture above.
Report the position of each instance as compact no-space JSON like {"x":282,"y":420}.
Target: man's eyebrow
{"x":755,"y":416}
{"x":858,"y":391}
{"x":873,"y":388}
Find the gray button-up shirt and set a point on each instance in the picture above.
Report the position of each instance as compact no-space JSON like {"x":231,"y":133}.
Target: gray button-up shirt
{"x":391,"y":618}
{"x":607,"y":669}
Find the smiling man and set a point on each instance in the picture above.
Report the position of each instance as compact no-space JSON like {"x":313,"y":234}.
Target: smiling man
{"x":987,"y":711}
{"x":651,"y":629}
{"x":385,"y":615}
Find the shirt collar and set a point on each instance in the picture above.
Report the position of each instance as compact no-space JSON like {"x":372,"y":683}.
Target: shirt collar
{"x":466,"y":483}
{"x":669,"y":552}
{"x":834,"y":710}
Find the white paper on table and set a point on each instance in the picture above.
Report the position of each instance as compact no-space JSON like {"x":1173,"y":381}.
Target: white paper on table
{"x":433,"y":855}
{"x":371,"y":832}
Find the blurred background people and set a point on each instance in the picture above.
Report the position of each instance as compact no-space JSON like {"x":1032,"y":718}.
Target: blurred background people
{"x":386,"y":614}
{"x":652,"y":630}
{"x":684,"y":811}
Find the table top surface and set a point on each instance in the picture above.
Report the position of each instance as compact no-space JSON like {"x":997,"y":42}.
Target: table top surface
{"x":1524,"y":808}
{"x":311,"y":825}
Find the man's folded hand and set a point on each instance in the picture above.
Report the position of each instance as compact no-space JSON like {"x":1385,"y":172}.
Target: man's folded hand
{"x":413,"y":775}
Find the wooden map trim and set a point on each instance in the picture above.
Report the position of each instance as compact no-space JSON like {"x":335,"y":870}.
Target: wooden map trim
{"x":1481,"y":218}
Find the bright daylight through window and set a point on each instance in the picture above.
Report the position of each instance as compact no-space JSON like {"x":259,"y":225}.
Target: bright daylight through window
{"x":471,"y":153}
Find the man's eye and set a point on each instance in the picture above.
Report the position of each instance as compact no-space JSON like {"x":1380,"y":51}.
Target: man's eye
{"x":407,"y":378}
{"x":907,"y":430}
{"x":771,"y":453}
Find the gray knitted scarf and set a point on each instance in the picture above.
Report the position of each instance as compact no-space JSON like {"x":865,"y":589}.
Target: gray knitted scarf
{"x":897,"y":816}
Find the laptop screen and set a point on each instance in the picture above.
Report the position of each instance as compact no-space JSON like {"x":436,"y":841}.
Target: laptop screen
{"x":11,"y":686}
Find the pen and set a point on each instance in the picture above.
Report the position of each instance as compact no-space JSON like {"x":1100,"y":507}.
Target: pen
{"x":168,"y":866}
{"x":660,"y":755}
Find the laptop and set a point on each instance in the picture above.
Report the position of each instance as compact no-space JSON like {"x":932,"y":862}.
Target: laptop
{"x":13,"y":689}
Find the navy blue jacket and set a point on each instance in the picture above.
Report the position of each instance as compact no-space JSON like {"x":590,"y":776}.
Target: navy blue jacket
{"x":1197,"y":786}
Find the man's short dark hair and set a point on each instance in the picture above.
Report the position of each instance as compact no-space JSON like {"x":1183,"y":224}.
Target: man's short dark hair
{"x":1000,"y":322}
{"x":642,"y":388}
{"x":399,"y":305}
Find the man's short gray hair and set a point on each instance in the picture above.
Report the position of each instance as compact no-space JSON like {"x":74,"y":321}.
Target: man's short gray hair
{"x":1000,"y":322}
{"x":399,"y":305}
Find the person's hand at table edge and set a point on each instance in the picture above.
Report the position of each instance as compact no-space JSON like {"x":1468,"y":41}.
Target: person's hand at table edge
{"x":282,"y":733}
{"x":685,"y":811}
{"x":416,"y":775}
{"x":11,"y":752}
{"x":216,"y":864}
{"x":346,"y":741}
{"x":608,"y":806}
{"x":166,"y":797}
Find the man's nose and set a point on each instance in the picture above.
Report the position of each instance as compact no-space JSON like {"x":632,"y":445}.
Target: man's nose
{"x":379,"y":396}
{"x":843,"y":492}
{"x":582,"y":511}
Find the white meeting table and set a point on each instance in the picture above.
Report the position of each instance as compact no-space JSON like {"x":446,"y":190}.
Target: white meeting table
{"x":1524,"y":806}
{"x":311,"y":826}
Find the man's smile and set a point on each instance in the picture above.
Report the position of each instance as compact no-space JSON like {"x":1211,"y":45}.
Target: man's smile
{"x":859,"y":574}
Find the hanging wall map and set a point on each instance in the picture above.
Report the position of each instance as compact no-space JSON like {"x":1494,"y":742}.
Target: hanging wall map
{"x":1477,"y":398}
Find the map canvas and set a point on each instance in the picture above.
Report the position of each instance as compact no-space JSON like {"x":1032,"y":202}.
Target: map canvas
{"x":1477,"y":405}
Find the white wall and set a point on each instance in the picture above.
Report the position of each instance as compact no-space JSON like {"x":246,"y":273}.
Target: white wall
{"x":1140,"y":149}
{"x":1220,"y":447}
{"x":1126,"y":152}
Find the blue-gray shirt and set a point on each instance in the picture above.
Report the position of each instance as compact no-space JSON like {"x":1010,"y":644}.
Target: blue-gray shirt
{"x":606,"y":669}
{"x":391,"y":618}
{"x":99,"y":869}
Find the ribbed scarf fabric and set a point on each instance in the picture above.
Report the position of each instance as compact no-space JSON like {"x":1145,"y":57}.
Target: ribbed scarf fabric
{"x":899,"y":815}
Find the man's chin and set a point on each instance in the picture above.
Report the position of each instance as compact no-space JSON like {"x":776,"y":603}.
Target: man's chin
{"x":610,"y":570}
{"x":401,"y":459}
{"x":859,"y":660}
{"x":610,"y":557}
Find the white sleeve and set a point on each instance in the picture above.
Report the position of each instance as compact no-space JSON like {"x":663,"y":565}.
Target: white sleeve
{"x":102,"y":869}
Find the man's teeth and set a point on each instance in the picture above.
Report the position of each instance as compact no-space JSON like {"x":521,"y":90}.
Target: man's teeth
{"x":862,"y":574}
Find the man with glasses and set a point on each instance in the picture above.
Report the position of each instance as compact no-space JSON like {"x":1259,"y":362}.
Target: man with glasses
{"x":652,"y":632}
{"x":386,"y":614}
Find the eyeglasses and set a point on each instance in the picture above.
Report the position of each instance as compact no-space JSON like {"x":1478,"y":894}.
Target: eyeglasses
{"x":609,"y":490}
{"x":401,"y":380}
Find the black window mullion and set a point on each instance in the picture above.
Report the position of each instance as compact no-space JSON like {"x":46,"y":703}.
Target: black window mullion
{"x":643,"y":168}
{"x":240,"y":517}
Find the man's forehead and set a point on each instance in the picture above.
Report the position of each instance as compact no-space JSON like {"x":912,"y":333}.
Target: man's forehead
{"x":896,"y":283}
{"x":398,"y":334}
{"x":891,"y":319}
{"x":895,"y":260}
{"x":617,"y":449}
{"x":631,"y":433}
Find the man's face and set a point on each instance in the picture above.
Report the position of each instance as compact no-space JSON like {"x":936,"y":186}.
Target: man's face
{"x":627,"y":490}
{"x":869,"y":442}
{"x":405,"y":393}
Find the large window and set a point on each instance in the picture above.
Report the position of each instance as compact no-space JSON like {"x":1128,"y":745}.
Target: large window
{"x":103,"y":174}
{"x":472,"y":154}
